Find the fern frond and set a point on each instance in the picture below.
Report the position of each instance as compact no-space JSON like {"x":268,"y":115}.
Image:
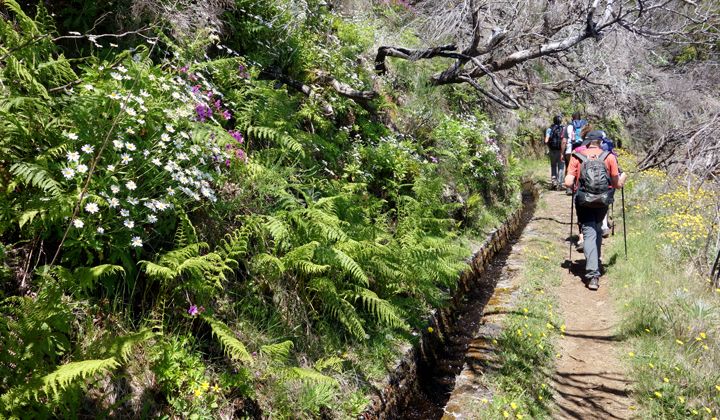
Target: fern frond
{"x":337,"y":307}
{"x":232,"y":346}
{"x":312,"y":376}
{"x":381,"y":309}
{"x":278,"y":352}
{"x":36,"y":176}
{"x":279,"y":231}
{"x":158,"y":272}
{"x":65,"y":375}
{"x":264,"y":260}
{"x":333,"y":363}
{"x":350,"y":266}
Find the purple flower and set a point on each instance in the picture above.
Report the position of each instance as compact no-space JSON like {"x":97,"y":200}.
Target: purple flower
{"x":236,"y":135}
{"x":203,"y":112}
{"x":184,"y":69}
{"x":196,"y":89}
{"x":433,"y":159}
{"x":240,"y":154}
{"x":226,"y":115}
{"x":227,"y":163}
{"x":193,"y":310}
{"x":217,"y":104}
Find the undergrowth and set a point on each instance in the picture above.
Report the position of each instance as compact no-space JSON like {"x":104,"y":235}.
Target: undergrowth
{"x":671,"y":311}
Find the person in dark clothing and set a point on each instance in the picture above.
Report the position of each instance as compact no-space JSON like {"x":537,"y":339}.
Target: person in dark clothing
{"x":554,"y":137}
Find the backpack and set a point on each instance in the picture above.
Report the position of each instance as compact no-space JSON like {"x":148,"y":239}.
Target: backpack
{"x":578,"y":126}
{"x":556,"y":135}
{"x":594,"y":183}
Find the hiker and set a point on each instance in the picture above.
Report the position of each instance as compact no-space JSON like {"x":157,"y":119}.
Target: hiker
{"x":573,"y":140}
{"x":554,"y":141}
{"x":591,"y":173}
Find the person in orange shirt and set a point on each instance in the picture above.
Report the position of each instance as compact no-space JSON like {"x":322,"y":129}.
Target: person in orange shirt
{"x":592,"y":205}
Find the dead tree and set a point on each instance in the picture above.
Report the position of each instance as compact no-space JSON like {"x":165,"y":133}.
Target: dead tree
{"x":502,"y":35}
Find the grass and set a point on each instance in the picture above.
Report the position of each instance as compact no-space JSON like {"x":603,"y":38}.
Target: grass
{"x":526,"y":346}
{"x":671,"y":314}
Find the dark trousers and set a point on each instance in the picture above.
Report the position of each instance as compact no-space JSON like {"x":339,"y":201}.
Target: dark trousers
{"x":591,"y":221}
{"x":556,"y":169}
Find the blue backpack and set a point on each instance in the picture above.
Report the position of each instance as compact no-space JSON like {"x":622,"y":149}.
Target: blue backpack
{"x":578,"y":125}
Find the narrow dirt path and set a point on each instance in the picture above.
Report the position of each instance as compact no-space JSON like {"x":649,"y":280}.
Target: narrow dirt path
{"x":589,"y":379}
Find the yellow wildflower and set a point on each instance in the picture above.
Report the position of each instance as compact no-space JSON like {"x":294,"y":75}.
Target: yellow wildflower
{"x":666,"y":380}
{"x":513,"y":405}
{"x":703,"y":335}
{"x":205,"y":385}
{"x":681,"y":399}
{"x":679,"y":342}
{"x":430,"y":329}
{"x":658,"y":394}
{"x":506,"y":414}
{"x":631,"y":354}
{"x":216,"y":388}
{"x":198,"y":392}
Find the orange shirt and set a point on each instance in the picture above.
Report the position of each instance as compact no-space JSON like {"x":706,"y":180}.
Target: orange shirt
{"x":592,"y":151}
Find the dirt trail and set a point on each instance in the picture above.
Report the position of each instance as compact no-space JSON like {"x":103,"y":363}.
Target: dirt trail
{"x":589,"y":379}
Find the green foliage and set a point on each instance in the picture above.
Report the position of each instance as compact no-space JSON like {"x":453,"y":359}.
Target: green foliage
{"x":175,"y":174}
{"x":233,"y":347}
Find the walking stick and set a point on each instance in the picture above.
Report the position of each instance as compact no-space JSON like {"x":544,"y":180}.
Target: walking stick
{"x":612,"y":216}
{"x":622,"y":194}
{"x":572,"y":214}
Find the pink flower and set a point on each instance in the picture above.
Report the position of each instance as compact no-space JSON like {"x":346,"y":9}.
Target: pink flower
{"x":193,"y":310}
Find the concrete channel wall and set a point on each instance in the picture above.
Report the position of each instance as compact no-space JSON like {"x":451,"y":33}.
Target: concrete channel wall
{"x":403,"y":383}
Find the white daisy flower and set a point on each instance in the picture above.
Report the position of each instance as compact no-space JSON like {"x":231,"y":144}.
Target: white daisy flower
{"x":185,"y":135}
{"x":130,"y":130}
{"x":114,"y":96}
{"x":152,"y":218}
{"x":121,"y":69}
{"x":170,"y":191}
{"x":78,"y":223}
{"x":136,"y":242}
{"x":161,"y":205}
{"x":113,"y":202}
{"x":92,"y":208}
{"x":87,"y":148}
{"x":116,"y":76}
{"x":144,"y":93}
{"x":130,"y":185}
{"x":115,"y":189}
{"x":100,"y":230}
{"x":118,"y":144}
{"x":81,"y":168}
{"x":131,"y":112}
{"x":165,"y":137}
{"x":134,"y":201}
{"x":111,"y":168}
{"x":130,"y":146}
{"x":140,"y":121}
{"x":146,"y":153}
{"x":169,"y":128}
{"x":156,"y":162}
{"x":129,"y":223}
{"x":125,"y":158}
{"x":71,"y":136}
{"x":68,"y":173}
{"x":124,"y":213}
{"x":73,"y":156}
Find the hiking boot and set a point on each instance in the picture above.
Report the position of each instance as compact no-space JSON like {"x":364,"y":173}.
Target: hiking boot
{"x":579,"y":247}
{"x":594,"y":283}
{"x":605,"y":233}
{"x":568,"y":191}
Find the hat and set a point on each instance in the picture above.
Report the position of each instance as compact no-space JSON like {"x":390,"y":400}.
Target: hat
{"x":595,"y":135}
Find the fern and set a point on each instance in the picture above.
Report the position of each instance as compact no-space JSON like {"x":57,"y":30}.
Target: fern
{"x":36,"y":176}
{"x":278,"y":352}
{"x":312,"y":376}
{"x":69,"y":373}
{"x":381,"y":309}
{"x":351,"y":267}
{"x":232,"y":346}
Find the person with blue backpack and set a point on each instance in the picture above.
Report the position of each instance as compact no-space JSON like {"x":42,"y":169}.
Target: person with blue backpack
{"x":575,"y":139}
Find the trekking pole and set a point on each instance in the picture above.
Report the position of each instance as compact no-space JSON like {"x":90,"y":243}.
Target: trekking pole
{"x":622,"y":194}
{"x":572,"y":214}
{"x":612,"y":217}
